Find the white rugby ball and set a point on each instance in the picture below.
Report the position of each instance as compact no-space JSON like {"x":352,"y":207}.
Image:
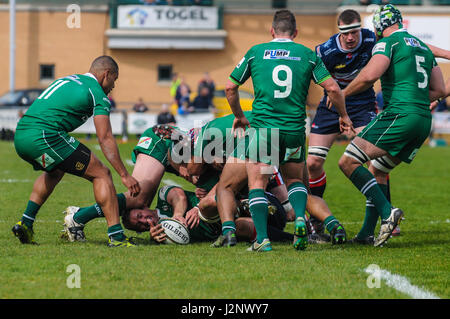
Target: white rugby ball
{"x":176,"y":232}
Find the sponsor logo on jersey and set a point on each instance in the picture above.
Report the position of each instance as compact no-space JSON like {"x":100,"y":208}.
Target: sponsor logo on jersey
{"x":274,"y":54}
{"x":379,"y":47}
{"x":74,"y":78}
{"x":144,"y":142}
{"x":293,"y":153}
{"x":329,"y":51}
{"x":413,"y":154}
{"x":44,"y":160}
{"x":340,"y":66}
{"x":279,"y":54}
{"x":79,"y":166}
{"x":413,"y":43}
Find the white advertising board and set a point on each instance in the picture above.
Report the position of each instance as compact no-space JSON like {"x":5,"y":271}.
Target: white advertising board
{"x":167,"y":17}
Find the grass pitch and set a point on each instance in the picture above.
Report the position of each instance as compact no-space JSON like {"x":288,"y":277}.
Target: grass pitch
{"x":420,"y":254}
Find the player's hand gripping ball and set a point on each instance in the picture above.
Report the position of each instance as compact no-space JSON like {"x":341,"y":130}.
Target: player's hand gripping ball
{"x":176,"y":232}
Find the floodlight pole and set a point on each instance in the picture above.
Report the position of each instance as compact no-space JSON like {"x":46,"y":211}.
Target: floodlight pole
{"x":12,"y":45}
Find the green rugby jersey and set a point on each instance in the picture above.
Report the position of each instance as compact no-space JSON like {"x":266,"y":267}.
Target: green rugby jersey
{"x":281,"y":71}
{"x":66,"y":104}
{"x":405,"y":84}
{"x":219,"y":128}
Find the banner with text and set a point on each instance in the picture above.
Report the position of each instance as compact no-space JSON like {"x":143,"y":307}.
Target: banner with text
{"x":167,"y":17}
{"x":434,"y":30}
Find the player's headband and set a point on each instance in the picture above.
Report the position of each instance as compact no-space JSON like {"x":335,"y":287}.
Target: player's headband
{"x":349,"y":27}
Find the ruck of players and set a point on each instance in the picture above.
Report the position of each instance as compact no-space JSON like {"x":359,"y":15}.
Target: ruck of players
{"x":254,"y":171}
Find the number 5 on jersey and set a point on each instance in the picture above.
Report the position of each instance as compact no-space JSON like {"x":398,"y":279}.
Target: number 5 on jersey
{"x":420,"y":69}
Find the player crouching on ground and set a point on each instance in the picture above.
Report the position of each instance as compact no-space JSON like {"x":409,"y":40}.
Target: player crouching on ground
{"x":203,"y":224}
{"x":215,"y":137}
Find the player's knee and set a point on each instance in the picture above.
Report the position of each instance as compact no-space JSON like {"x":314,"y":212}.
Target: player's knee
{"x":316,"y":157}
{"x":314,"y":164}
{"x":106,"y":172}
{"x":96,"y":169}
{"x":178,"y":192}
{"x":224,"y":186}
{"x":382,"y":166}
{"x":344,"y":162}
{"x":354,"y":154}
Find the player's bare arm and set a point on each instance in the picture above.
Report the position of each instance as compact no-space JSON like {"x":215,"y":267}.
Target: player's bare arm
{"x":437,"y":85}
{"x":439,"y":52}
{"x":337,"y":99}
{"x":178,"y":200}
{"x":232,"y":94}
{"x":206,"y":208}
{"x":374,"y":69}
{"x":111,"y":152}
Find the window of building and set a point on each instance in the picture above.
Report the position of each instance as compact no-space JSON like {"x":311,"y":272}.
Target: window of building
{"x":46,"y":72}
{"x":279,"y":4}
{"x":164,"y":73}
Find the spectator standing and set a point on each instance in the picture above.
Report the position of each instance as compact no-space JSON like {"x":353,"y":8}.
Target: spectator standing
{"x":202,"y":101}
{"x":207,"y":82}
{"x":174,"y":86}
{"x":183,"y":98}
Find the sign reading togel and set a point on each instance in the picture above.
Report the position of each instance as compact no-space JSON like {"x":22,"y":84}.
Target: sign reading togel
{"x":167,"y":17}
{"x":434,"y":30}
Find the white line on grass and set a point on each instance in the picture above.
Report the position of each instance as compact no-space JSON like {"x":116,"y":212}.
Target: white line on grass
{"x":401,"y":284}
{"x":15,"y":180}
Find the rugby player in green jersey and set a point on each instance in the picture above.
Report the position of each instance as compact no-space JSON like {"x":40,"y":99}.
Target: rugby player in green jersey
{"x":42,"y":139}
{"x":213,"y":143}
{"x":410,"y":80}
{"x":281,"y":72}
{"x":150,"y":156}
{"x":174,"y":202}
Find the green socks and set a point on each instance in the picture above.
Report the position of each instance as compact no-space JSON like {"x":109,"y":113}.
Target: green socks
{"x":30,"y":213}
{"x":87,"y":214}
{"x":298,"y":195}
{"x":116,"y":232}
{"x":227,"y":227}
{"x":260,"y":212}
{"x":366,"y":184}
{"x":330,"y":222}
{"x":371,"y":217}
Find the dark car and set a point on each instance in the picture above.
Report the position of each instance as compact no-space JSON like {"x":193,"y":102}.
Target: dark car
{"x":20,"y":98}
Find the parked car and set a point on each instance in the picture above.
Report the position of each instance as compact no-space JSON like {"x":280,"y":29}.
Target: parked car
{"x":19,"y":98}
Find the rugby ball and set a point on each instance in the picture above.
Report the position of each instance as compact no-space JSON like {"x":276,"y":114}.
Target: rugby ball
{"x":176,"y":232}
